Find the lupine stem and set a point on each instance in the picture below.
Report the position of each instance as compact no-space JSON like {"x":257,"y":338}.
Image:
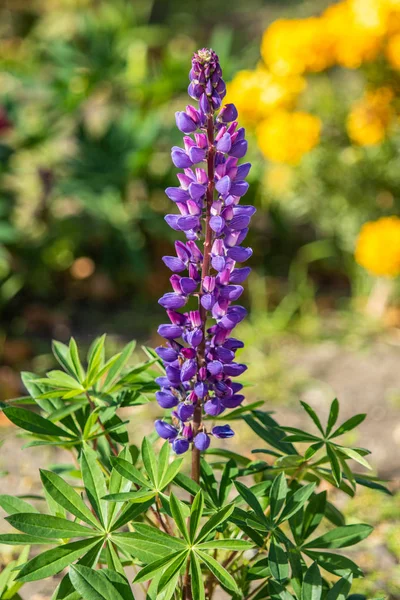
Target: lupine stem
{"x":197,"y":417}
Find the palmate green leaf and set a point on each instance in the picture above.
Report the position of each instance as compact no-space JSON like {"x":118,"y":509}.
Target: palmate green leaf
{"x":60,"y":380}
{"x":127,"y":470}
{"x":196,"y":578}
{"x":348,"y":425}
{"x":167,"y":593}
{"x":142,"y":549}
{"x":278,"y":561}
{"x":65,"y":590}
{"x":55,"y":560}
{"x":278,"y":493}
{"x":171,"y":472}
{"x":30,"y":421}
{"x":296,"y":501}
{"x":269,"y":431}
{"x":209,"y":481}
{"x":333,"y":415}
{"x":218,"y":571}
{"x":118,"y":484}
{"x":94,"y":482}
{"x":226,"y":544}
{"x":91,"y":585}
{"x":119,"y":582}
{"x":133,"y":497}
{"x":153,"y":568}
{"x":163,"y":461}
{"x":47,"y":526}
{"x":95,"y":359}
{"x":150,"y":461}
{"x":341,"y":537}
{"x":312,"y":584}
{"x":67,"y":497}
{"x":130,"y":513}
{"x":335,"y":563}
{"x":187,"y":484}
{"x":217,"y":519}
{"x":313,"y":415}
{"x":196,"y":513}
{"x":335,"y":464}
{"x":229,"y":474}
{"x":12,"y":505}
{"x":341,"y":589}
{"x":112,"y":559}
{"x":259,"y":570}
{"x":179,"y":516}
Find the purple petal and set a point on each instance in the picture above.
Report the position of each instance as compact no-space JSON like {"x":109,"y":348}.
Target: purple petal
{"x":188,"y":285}
{"x":165,"y":430}
{"x":225,"y":143}
{"x":228,"y":113}
{"x":190,"y":222}
{"x":167,"y":354}
{"x":232,"y":401}
{"x":222,"y":431}
{"x":232,"y":292}
{"x":196,"y":190}
{"x":248,"y":210}
{"x":180,"y":158}
{"x":172,"y":300}
{"x":180,"y":446}
{"x":170,"y":332}
{"x":239,"y":188}
{"x":166,"y":400}
{"x":189,"y":370}
{"x":239,"y":275}
{"x":172,"y":221}
{"x":195,"y":337}
{"x":239,"y":254}
{"x":223,"y":185}
{"x":217,"y":224}
{"x":197,"y":154}
{"x":208,"y":301}
{"x":218,"y":263}
{"x":175,"y":264}
{"x":177,"y":194}
{"x":215,"y":367}
{"x":224,"y":355}
{"x":234,"y":369}
{"x":213,"y":407}
{"x":185,"y":411}
{"x":185,"y":123}
{"x":243,"y":170}
{"x":202,"y":441}
{"x":239,"y":149}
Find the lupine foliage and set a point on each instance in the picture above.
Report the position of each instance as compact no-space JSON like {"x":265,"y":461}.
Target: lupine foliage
{"x":262,"y":528}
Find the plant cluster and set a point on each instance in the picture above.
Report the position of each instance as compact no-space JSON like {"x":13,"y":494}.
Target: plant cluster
{"x":256,"y":528}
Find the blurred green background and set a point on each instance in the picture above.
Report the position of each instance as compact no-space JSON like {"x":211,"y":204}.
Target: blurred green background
{"x":88,"y":92}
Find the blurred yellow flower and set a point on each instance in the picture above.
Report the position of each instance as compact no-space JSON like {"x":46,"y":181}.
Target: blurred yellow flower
{"x":257,"y":93}
{"x":353,"y":42}
{"x":286,"y":136}
{"x":294,"y":46}
{"x":393,"y":51}
{"x":370,"y":118}
{"x":378,"y":247}
{"x":279,"y":179}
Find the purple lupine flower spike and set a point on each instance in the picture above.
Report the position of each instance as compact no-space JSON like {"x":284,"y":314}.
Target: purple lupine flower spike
{"x":199,"y":355}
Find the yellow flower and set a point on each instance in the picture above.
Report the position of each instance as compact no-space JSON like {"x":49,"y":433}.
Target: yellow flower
{"x":370,"y":118}
{"x":294,"y":46}
{"x":353,"y":38}
{"x":257,"y":93}
{"x":378,"y":247}
{"x":279,"y":179}
{"x":286,"y":136}
{"x":393,"y":51}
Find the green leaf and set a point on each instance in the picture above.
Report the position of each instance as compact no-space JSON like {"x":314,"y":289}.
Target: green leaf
{"x":312,"y":584}
{"x":351,"y":453}
{"x":218,"y":571}
{"x":296,"y":501}
{"x":341,"y":589}
{"x":47,"y":526}
{"x":127,"y":470}
{"x":333,"y":415}
{"x":118,"y":365}
{"x":335,"y":464}
{"x":229,"y":473}
{"x":74,"y":353}
{"x":133,"y":497}
{"x":120,"y":583}
{"x":278,"y":592}
{"x":216,"y":520}
{"x":20,"y":539}
{"x":196,"y":514}
{"x":142,"y":548}
{"x":173,"y":568}
{"x":196,"y":578}
{"x":226,"y":544}
{"x":62,"y":354}
{"x":94,"y":482}
{"x":341,"y":537}
{"x":92,"y":585}
{"x":163,"y":460}
{"x":178,"y":516}
{"x":95,"y":358}
{"x":67,"y":497}
{"x":30,"y":421}
{"x":150,"y":461}
{"x":278,"y":561}
{"x":269,"y":431}
{"x":335,"y":563}
{"x":170,"y":473}
{"x":251,"y":499}
{"x":348,"y":425}
{"x":277,"y":497}
{"x":118,"y":484}
{"x":311,"y":412}
{"x":313,"y":514}
{"x":55,"y":560}
{"x":209,"y":481}
{"x":150,"y":570}
{"x":12,"y":505}
{"x":130,"y":513}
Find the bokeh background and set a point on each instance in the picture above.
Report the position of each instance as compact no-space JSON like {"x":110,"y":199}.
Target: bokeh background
{"x":88,"y":91}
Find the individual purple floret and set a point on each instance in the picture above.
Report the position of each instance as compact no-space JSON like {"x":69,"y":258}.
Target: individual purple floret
{"x":199,"y":355}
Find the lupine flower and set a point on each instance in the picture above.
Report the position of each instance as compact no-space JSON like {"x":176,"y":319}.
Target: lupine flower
{"x":199,"y":355}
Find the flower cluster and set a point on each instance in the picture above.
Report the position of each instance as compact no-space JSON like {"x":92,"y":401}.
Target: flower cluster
{"x":348,"y":33}
{"x":378,"y":247}
{"x":199,"y":356}
{"x":369,"y":119}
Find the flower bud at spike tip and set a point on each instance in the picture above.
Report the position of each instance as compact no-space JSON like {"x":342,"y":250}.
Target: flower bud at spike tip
{"x":199,"y":353}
